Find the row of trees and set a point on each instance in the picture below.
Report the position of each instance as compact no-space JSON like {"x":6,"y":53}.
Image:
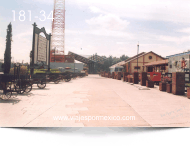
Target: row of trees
{"x":109,"y":61}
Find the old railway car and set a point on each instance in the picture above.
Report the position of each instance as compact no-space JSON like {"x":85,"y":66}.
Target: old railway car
{"x":179,"y":62}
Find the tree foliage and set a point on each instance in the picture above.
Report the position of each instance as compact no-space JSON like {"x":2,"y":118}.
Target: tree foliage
{"x":23,"y":70}
{"x":7,"y":54}
{"x":109,"y":61}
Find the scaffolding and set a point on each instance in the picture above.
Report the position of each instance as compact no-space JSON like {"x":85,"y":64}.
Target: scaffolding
{"x":58,"y":26}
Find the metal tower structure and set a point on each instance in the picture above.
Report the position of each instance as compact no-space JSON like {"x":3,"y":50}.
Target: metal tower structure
{"x":58,"y":26}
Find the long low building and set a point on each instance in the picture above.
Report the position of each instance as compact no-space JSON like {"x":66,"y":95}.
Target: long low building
{"x":130,"y":65}
{"x":77,"y":66}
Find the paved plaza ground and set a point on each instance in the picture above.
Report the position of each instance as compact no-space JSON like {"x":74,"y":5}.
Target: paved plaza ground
{"x":95,"y":96}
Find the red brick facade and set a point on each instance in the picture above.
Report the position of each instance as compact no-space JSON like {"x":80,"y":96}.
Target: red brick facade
{"x":143,"y":78}
{"x":178,"y":83}
{"x":60,"y":58}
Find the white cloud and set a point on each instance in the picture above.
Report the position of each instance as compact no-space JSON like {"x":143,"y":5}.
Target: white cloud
{"x":176,"y":40}
{"x":49,"y":2}
{"x":100,"y":32}
{"x":108,"y":22}
{"x":109,"y":27}
{"x":20,"y":47}
{"x":24,"y":34}
{"x":2,"y":47}
{"x":110,"y":33}
{"x":161,"y":49}
{"x":69,"y":31}
{"x":120,"y":43}
{"x":161,"y":10}
{"x":184,"y":30}
{"x":94,"y":9}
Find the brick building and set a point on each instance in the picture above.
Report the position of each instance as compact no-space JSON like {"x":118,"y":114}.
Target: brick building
{"x":59,"y":57}
{"x":130,"y":65}
{"x":157,"y":66}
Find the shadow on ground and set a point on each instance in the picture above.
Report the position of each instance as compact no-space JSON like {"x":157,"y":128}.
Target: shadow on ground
{"x":40,"y":89}
{"x":13,"y":101}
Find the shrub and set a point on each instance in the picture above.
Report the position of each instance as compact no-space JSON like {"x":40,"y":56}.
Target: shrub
{"x":23,"y":70}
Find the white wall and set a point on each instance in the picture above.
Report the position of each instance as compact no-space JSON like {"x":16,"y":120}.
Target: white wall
{"x":55,"y":65}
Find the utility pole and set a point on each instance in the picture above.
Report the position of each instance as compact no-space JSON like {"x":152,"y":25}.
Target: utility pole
{"x":54,"y":53}
{"x":137,"y":55}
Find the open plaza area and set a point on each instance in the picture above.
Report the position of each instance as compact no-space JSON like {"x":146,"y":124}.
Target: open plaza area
{"x":110,"y":77}
{"x":98,"y":102}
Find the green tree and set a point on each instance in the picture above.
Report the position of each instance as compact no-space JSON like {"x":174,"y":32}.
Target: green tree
{"x":108,"y":62}
{"x":23,"y":70}
{"x":123,"y":57}
{"x":7,"y":55}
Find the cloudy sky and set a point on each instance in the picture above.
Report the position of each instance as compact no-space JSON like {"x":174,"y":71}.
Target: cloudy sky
{"x":105,"y":27}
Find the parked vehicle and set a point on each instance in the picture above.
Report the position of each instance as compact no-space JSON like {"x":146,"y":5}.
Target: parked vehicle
{"x":10,"y":84}
{"x":116,"y":69}
{"x":39,"y":79}
{"x":154,"y":76}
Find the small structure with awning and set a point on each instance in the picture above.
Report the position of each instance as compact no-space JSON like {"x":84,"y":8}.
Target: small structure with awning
{"x":116,"y":69}
{"x":156,"y":66}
